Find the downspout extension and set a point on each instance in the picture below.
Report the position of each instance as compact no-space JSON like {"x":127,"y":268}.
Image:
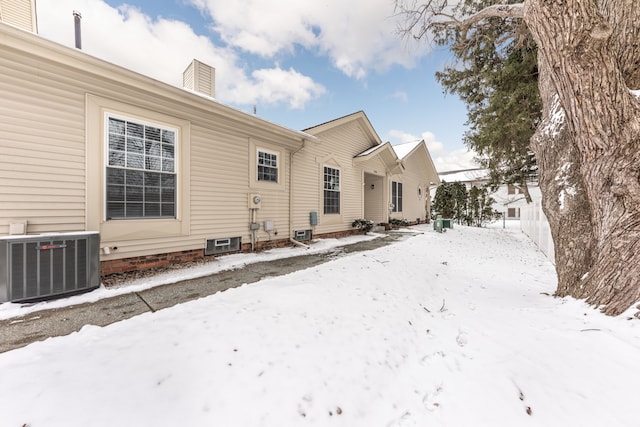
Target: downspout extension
{"x":295,"y":242}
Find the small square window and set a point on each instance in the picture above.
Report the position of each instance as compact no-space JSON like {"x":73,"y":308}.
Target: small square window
{"x":267,"y":166}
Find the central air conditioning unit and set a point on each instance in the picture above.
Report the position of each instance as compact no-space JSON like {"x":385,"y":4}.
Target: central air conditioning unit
{"x":43,"y":266}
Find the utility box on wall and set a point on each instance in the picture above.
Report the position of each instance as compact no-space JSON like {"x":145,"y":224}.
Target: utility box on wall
{"x":313,"y":218}
{"x":255,"y":201}
{"x":43,"y":266}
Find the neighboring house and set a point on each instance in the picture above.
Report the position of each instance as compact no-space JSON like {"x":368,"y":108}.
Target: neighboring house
{"x":508,"y":198}
{"x":168,"y":175}
{"x":469,"y":177}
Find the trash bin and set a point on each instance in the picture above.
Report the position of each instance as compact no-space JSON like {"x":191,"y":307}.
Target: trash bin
{"x":447,"y":223}
{"x":437,"y":224}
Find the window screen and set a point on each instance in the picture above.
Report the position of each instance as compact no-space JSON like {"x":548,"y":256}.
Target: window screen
{"x":331,"y":190}
{"x":267,"y":166}
{"x":396,"y":196}
{"x":140,"y":173}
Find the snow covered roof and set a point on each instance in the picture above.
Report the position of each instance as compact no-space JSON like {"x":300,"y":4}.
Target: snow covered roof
{"x":402,"y":150}
{"x":466,"y":175}
{"x":386,"y":154}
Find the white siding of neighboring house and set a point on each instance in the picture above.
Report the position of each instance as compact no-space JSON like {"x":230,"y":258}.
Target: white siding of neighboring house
{"x":504,"y":201}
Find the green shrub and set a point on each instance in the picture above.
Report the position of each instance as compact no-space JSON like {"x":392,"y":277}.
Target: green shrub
{"x":364,"y":225}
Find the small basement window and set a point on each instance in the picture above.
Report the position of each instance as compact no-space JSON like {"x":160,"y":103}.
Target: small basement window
{"x":222,"y":245}
{"x":302,"y":235}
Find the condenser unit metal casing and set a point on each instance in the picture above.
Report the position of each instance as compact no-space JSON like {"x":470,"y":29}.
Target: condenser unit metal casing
{"x":43,"y":266}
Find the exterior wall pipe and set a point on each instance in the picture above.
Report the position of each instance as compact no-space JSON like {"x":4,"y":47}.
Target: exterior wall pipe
{"x":295,"y":242}
{"x":252,"y":220}
{"x":291,"y":239}
{"x":77,"y":17}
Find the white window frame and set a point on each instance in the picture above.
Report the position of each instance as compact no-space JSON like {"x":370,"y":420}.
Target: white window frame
{"x":397,"y":196}
{"x":276,"y":167}
{"x":126,"y":168}
{"x":334,"y":190}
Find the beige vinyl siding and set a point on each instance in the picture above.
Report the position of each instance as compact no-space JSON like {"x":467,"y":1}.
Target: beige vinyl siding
{"x":206,"y":80}
{"x":336,"y":148}
{"x":219,"y":184}
{"x":375,"y":208}
{"x":200,"y":77}
{"x":20,"y":13}
{"x":305,"y":187}
{"x":220,"y":187}
{"x":43,"y":160}
{"x":52,"y":105}
{"x":415,"y":175}
{"x":188,"y":77}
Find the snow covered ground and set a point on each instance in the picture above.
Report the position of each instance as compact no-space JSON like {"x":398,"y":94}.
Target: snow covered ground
{"x":452,"y":329}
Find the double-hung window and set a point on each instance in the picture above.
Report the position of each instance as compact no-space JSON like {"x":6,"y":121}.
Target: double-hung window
{"x":141,"y":177}
{"x":396,"y":196}
{"x":331,"y":190}
{"x":267,"y":166}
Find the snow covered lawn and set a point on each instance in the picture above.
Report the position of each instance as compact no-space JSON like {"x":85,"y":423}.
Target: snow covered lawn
{"x":452,"y":329}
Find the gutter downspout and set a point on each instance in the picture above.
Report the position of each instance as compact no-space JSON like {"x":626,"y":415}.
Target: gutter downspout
{"x":291,"y":239}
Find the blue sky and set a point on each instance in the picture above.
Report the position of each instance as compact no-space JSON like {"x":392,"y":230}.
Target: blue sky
{"x":300,"y":63}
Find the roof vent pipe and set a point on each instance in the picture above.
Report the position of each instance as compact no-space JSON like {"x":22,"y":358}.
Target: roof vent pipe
{"x":76,"y":19}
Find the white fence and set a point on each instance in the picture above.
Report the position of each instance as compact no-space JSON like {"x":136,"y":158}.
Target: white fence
{"x":534,"y":224}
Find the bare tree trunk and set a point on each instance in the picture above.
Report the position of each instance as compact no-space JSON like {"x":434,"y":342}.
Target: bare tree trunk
{"x":564,"y":198}
{"x":590,"y":51}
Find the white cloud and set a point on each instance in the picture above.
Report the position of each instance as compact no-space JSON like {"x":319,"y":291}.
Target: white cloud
{"x":273,"y":86}
{"x":444,"y":160}
{"x":400,"y":95}
{"x":356,"y":37}
{"x":162,"y":49}
{"x":433,"y":144}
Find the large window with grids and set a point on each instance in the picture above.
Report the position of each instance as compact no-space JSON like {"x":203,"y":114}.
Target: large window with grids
{"x":396,"y":196}
{"x":141,"y":170}
{"x":331,"y":190}
{"x":267,"y":166}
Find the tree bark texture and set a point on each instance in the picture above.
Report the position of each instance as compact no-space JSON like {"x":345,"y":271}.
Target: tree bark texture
{"x":588,"y":146}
